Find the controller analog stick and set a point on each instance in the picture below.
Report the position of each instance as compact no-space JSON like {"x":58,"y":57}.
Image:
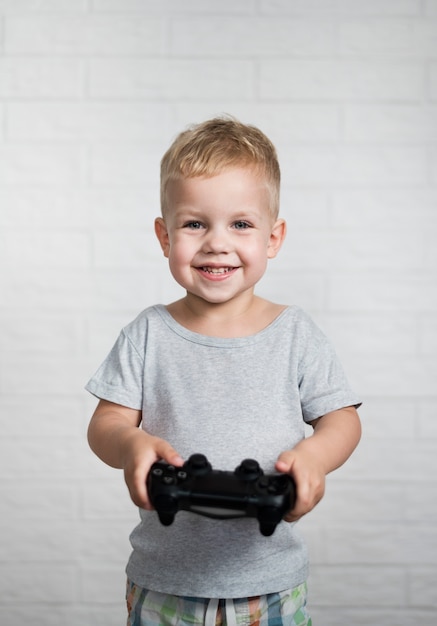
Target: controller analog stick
{"x":249,"y":469}
{"x":199,"y":464}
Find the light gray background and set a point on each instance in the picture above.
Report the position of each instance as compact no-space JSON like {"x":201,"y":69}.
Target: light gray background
{"x":92,"y":92}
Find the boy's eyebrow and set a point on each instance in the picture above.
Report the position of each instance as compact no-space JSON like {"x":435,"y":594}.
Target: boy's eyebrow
{"x":186,"y":208}
{"x":235,"y":216}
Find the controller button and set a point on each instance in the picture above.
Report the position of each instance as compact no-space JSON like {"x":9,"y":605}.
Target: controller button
{"x":168,"y":480}
{"x":182,"y":475}
{"x":157,"y":472}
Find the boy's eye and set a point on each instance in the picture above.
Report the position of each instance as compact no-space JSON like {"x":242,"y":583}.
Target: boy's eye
{"x":193,"y":225}
{"x":241,"y":225}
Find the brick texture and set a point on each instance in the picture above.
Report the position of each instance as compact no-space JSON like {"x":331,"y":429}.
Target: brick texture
{"x":91,"y":94}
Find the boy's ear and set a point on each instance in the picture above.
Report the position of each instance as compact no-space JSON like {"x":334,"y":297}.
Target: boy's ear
{"x":162,"y":234}
{"x":277,"y":237}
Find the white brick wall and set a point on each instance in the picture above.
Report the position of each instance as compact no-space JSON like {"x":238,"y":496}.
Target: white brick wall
{"x":91,"y":93}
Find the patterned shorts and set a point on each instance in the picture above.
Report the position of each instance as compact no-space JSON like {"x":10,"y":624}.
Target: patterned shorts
{"x":149,"y":608}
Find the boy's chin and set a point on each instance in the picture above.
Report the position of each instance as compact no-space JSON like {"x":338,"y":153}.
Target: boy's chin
{"x":219,"y":299}
{"x":208,"y":300}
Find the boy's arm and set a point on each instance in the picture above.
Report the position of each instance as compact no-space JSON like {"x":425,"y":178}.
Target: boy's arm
{"x":335,"y":437}
{"x":115,"y":437}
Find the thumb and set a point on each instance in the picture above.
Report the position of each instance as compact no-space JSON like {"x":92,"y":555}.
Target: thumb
{"x":285,"y":462}
{"x":166,"y":452}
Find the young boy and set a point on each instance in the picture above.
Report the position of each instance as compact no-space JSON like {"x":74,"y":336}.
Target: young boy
{"x":228,"y":374}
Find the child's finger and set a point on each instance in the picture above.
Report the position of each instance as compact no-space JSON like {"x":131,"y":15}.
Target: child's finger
{"x":165,"y":451}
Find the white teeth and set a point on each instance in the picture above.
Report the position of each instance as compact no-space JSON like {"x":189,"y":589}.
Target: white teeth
{"x":217,"y":270}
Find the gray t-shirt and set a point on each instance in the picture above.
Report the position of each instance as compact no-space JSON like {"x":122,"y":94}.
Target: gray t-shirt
{"x":230,"y":399}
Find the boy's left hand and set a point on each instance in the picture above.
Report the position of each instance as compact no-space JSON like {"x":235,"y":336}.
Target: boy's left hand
{"x":335,"y":436}
{"x":309,"y":476}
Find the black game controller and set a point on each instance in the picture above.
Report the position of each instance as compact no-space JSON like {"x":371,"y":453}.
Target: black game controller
{"x":196,"y":487}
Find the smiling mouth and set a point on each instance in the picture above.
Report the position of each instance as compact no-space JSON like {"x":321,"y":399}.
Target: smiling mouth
{"x":216,"y":270}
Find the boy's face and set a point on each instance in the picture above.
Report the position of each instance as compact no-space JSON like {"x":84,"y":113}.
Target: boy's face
{"x":218,"y":233}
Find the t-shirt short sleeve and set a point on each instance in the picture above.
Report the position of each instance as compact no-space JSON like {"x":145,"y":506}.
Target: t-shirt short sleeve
{"x":323,"y":385}
{"x":119,"y":379}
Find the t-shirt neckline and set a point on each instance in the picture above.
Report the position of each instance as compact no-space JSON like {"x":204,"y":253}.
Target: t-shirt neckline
{"x":210,"y":340}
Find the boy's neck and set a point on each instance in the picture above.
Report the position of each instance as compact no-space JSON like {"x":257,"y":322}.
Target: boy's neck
{"x":247,"y":316}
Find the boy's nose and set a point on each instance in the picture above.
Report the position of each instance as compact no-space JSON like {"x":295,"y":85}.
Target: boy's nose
{"x":216,"y":241}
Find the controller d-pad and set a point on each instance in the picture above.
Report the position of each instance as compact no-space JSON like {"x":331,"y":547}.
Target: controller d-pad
{"x":278,"y":484}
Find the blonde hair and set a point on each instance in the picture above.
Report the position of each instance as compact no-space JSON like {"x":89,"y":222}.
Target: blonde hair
{"x":209,"y":148}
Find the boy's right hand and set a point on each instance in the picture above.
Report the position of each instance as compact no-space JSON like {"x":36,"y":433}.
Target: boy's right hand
{"x":139,"y":452}
{"x":115,"y":436}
